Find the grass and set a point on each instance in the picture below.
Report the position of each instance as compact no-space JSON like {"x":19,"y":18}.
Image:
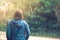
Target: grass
{"x":2,"y":28}
{"x":41,"y":33}
{"x":45,"y":34}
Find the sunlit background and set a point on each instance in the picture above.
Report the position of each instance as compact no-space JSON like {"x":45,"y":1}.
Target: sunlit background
{"x":43,"y":16}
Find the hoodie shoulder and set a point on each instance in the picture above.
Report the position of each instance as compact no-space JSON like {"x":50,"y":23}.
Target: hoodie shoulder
{"x":24,"y":22}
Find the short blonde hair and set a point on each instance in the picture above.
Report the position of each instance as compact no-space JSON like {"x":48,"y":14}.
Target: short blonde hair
{"x":18,"y":13}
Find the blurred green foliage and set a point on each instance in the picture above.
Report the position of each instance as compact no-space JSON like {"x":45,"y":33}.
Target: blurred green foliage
{"x":40,"y":15}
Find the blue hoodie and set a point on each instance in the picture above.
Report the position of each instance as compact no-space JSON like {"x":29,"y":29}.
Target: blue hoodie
{"x":19,"y":32}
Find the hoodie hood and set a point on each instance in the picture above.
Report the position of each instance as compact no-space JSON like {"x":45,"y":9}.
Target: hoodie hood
{"x":17,"y":23}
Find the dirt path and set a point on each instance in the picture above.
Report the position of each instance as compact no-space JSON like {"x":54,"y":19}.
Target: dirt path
{"x":3,"y":37}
